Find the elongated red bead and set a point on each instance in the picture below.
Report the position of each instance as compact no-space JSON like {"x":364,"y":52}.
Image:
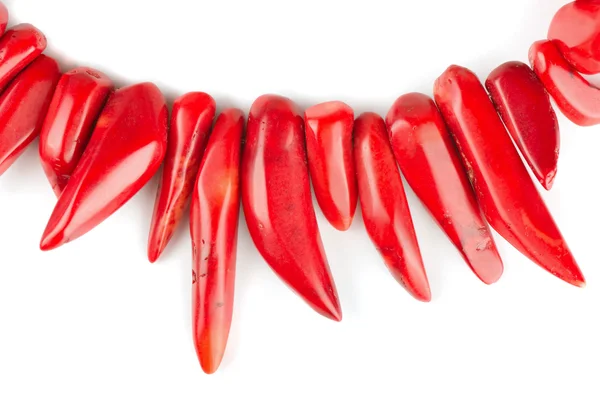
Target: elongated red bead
{"x":126,"y":149}
{"x":575,"y":29}
{"x":329,"y":128}
{"x":3,"y":18}
{"x":23,"y":106}
{"x":19,"y":46}
{"x":430,"y":163}
{"x":525,"y":107}
{"x":76,"y":105}
{"x":191,"y":120}
{"x":575,"y":96}
{"x":384,"y":206}
{"x":506,"y":192}
{"x":214,"y":220}
{"x":278,"y":203}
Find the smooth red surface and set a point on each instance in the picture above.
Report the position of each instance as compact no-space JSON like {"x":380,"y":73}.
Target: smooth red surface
{"x":385,"y":210}
{"x":329,"y":128}
{"x":3,"y":18}
{"x":506,"y":192}
{"x":278,"y":204}
{"x":19,"y":46}
{"x":191,"y":120}
{"x":575,"y":29}
{"x":214,"y":228}
{"x":125,"y":151}
{"x":77,"y":102}
{"x":525,"y":107}
{"x":575,"y":96}
{"x":430,"y":164}
{"x":23,"y":106}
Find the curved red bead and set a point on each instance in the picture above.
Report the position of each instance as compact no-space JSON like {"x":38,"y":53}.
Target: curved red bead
{"x":77,"y":102}
{"x":126,"y":149}
{"x":575,"y":29}
{"x":430,"y":164}
{"x":384,"y":206}
{"x":278,"y":203}
{"x":525,"y":107}
{"x":214,"y":216}
{"x":506,"y":192}
{"x":191,"y":120}
{"x":577,"y":99}
{"x":19,"y":46}
{"x":329,"y":128}
{"x":23,"y":106}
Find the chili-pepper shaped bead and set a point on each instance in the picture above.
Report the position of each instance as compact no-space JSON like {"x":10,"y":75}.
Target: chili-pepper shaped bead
{"x":329,"y":128}
{"x":575,"y":29}
{"x":278,"y":203}
{"x":191,"y":120}
{"x":430,"y":164}
{"x":384,"y":206}
{"x":214,"y":214}
{"x":19,"y":46}
{"x":525,"y":107}
{"x":575,"y":96}
{"x":506,"y":192}
{"x":23,"y":106}
{"x":126,"y":149}
{"x":3,"y":18}
{"x":77,"y":102}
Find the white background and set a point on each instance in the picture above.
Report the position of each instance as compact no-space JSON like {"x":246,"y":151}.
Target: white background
{"x":94,"y":318}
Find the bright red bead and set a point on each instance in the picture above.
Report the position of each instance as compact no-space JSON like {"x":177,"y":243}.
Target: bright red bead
{"x":23,"y":106}
{"x":3,"y":18}
{"x":126,"y":149}
{"x":575,"y":29}
{"x":191,"y":120}
{"x":384,"y":206}
{"x":329,"y":128}
{"x":75,"y":107}
{"x":430,"y":164}
{"x":506,"y":192}
{"x":575,"y":96}
{"x":278,"y":203}
{"x":19,"y":46}
{"x":214,"y":220}
{"x":525,"y":107}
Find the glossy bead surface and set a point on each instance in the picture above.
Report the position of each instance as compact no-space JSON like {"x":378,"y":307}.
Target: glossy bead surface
{"x":214,"y":220}
{"x":329,"y":128}
{"x":278,"y":203}
{"x":506,"y":192}
{"x":23,"y":106}
{"x":575,"y":29}
{"x":77,"y":102}
{"x":384,"y":206}
{"x":126,"y":149}
{"x":525,"y":107}
{"x":576,"y":98}
{"x":19,"y":46}
{"x":430,"y":164}
{"x":191,"y":120}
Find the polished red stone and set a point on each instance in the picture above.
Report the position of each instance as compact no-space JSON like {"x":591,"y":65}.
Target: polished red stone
{"x":329,"y":128}
{"x":23,"y":106}
{"x":431,"y":165}
{"x":506,"y":192}
{"x":214,"y":216}
{"x":575,"y":29}
{"x":19,"y":46}
{"x":278,"y":203}
{"x":75,"y":107}
{"x":191,"y":120}
{"x":384,"y":206}
{"x":525,"y":107}
{"x":577,"y":99}
{"x":3,"y":18}
{"x":125,"y":151}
